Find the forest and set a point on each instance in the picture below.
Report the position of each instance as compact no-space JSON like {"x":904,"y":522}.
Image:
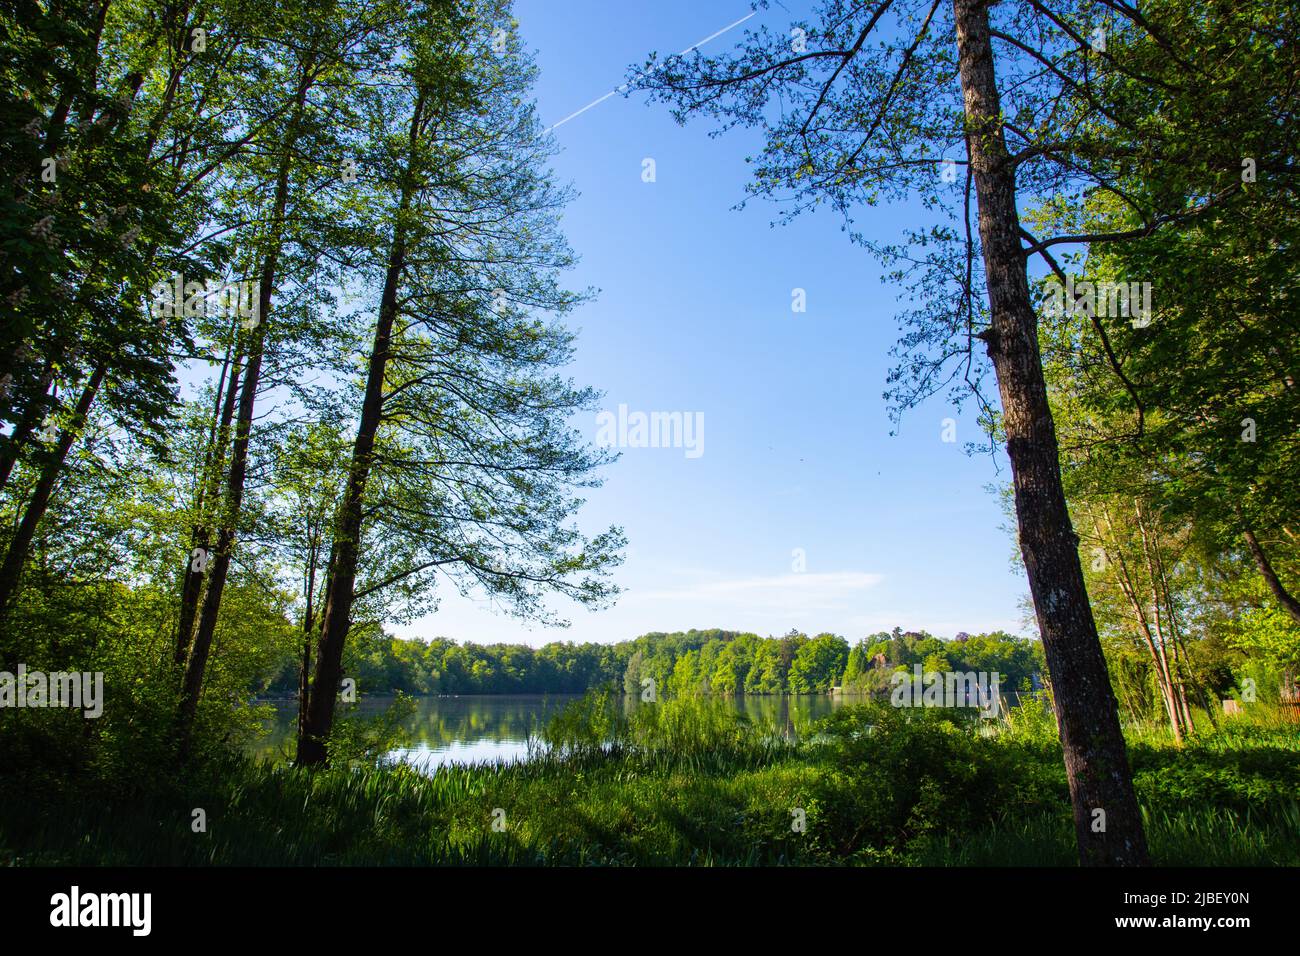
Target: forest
{"x":284,"y":360}
{"x":684,"y":664}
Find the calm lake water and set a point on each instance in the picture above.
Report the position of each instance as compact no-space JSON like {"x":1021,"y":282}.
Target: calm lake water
{"x":475,"y":729}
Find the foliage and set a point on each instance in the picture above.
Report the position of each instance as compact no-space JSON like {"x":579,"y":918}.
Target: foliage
{"x":877,"y":785}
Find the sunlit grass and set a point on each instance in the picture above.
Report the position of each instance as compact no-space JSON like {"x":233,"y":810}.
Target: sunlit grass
{"x":690,"y":783}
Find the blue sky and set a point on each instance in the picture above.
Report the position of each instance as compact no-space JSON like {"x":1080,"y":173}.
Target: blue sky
{"x":694,"y":315}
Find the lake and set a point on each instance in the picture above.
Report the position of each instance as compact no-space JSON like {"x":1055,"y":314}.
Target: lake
{"x":483,"y":729}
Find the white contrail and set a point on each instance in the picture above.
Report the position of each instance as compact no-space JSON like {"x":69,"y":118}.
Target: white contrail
{"x":693,"y":46}
{"x":714,"y":36}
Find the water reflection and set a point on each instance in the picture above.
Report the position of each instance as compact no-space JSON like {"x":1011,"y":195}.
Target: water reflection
{"x":471,"y":729}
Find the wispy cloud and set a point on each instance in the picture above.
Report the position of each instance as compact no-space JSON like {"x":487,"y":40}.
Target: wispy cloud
{"x":787,"y":592}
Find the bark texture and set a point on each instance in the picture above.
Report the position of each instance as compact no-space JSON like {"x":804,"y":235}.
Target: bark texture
{"x":1096,"y":761}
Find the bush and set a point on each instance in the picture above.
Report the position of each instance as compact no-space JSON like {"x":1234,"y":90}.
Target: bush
{"x":893,"y":775}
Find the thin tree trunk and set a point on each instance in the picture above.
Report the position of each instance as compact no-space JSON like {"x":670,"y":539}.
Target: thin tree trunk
{"x":192,"y":685}
{"x":1284,"y":597}
{"x":347,"y":530}
{"x":1106,"y":817}
{"x":1168,"y":682}
{"x":209,"y":489}
{"x":304,"y":669}
{"x":16,"y":557}
{"x":1182,"y":665}
{"x":13,"y":445}
{"x":197,"y":663}
{"x":304,"y":672}
{"x":1128,"y":588}
{"x":347,"y":533}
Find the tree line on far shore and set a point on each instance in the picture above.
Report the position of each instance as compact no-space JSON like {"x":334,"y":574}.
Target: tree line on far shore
{"x":709,"y":662}
{"x":1218,"y":663}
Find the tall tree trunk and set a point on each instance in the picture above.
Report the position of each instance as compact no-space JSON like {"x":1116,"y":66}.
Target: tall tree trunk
{"x":230,"y":507}
{"x":1129,"y":588}
{"x":1175,"y":701}
{"x":16,"y":557}
{"x":308,"y":622}
{"x":209,"y":489}
{"x":1182,"y":663}
{"x":1106,"y":817}
{"x":347,"y":532}
{"x":304,"y":674}
{"x":1283,"y":596}
{"x":347,"y":529}
{"x":192,"y":685}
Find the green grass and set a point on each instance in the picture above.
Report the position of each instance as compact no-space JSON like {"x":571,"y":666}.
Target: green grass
{"x":687,"y":783}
